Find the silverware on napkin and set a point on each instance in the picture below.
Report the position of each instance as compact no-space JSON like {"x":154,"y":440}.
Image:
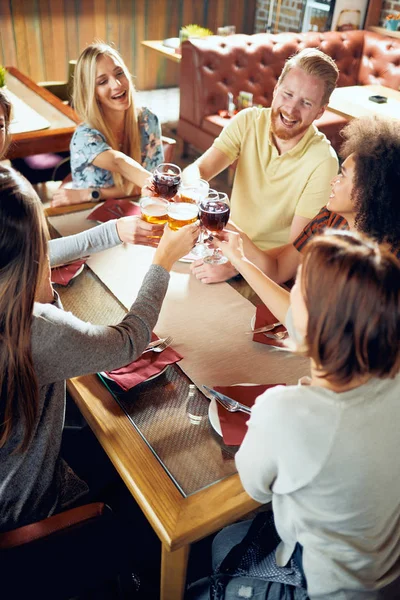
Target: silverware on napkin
{"x":230,"y":404}
{"x":264,"y":328}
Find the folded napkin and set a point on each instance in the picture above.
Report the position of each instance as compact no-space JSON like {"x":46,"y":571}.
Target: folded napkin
{"x":233,"y":425}
{"x":113,"y":209}
{"x":265,"y":317}
{"x":146,"y":366}
{"x":63,"y":274}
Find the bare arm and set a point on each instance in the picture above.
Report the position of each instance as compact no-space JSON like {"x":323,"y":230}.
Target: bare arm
{"x":276,"y":298}
{"x":64,"y":195}
{"x":118,"y":162}
{"x":206,"y":167}
{"x":280,"y":264}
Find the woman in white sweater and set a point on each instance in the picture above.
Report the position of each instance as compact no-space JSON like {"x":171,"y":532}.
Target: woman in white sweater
{"x":326,"y":453}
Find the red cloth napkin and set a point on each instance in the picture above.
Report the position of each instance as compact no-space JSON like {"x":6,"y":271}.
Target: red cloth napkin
{"x":145,"y":366}
{"x":233,"y":425}
{"x":113,"y":209}
{"x":265,"y":317}
{"x":63,"y":274}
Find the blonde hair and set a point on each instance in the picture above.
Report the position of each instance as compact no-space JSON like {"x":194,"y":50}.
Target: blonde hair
{"x":90,"y":111}
{"x":317,"y":64}
{"x":7,"y":109}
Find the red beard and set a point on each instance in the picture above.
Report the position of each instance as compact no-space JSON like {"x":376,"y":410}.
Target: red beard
{"x":282,"y":132}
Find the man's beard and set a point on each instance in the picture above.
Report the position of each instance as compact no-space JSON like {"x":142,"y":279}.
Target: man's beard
{"x":280,"y":131}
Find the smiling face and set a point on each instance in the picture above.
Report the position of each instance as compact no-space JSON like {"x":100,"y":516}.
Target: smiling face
{"x":340,"y":200}
{"x":113,"y":88}
{"x":296,"y":103}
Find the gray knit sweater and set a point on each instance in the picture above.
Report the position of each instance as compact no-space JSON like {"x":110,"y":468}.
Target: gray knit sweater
{"x":34,"y":483}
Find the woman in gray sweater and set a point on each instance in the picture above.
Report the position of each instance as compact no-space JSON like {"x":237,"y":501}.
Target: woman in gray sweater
{"x":41,"y":346}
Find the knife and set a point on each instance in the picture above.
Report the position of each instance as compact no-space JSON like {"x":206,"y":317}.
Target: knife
{"x":218,"y":395}
{"x":265,"y":328}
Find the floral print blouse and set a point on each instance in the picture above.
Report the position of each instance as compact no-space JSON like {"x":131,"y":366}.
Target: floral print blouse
{"x":87,"y":143}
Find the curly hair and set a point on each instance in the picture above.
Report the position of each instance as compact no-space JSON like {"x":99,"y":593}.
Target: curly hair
{"x":375,"y":145}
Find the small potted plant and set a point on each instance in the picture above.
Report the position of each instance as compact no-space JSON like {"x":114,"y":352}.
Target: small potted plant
{"x":392,"y":21}
{"x":3,"y":73}
{"x":193,"y":31}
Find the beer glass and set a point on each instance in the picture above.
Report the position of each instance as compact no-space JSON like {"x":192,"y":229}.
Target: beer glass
{"x":196,"y":192}
{"x":182,"y":213}
{"x":214,"y":215}
{"x":166,"y":180}
{"x":154,"y":210}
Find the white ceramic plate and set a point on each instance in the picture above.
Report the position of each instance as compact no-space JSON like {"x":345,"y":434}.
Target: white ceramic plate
{"x":149,"y":379}
{"x":213,"y":416}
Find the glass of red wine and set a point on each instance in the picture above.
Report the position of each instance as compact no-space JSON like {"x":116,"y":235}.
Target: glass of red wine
{"x":214,"y":214}
{"x":166,"y":180}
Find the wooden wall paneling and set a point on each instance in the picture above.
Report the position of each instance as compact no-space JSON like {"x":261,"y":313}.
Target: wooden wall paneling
{"x":143,"y":63}
{"x":8,"y":50}
{"x":100,"y":20}
{"x":41,"y":36}
{"x":34,"y":39}
{"x":112,"y":22}
{"x":58,"y":49}
{"x":85,"y":23}
{"x":71,"y":30}
{"x":47,"y":42}
{"x":18,"y":20}
{"x":173,"y":26}
{"x":127,"y":33}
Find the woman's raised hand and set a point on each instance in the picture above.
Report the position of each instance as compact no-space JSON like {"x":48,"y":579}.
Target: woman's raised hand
{"x":231,"y":245}
{"x":134,"y":230}
{"x":175,"y":244}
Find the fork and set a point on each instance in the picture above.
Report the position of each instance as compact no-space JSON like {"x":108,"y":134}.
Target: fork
{"x":281,"y":335}
{"x":230,"y":404}
{"x":161,"y":346}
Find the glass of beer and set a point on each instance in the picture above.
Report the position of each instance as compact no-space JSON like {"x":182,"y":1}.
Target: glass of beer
{"x":214,"y":215}
{"x":154,"y":210}
{"x":166,"y":180}
{"x":182,"y":213}
{"x":194,"y":192}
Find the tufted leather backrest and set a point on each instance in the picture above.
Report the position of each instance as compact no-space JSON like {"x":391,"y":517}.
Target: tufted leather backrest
{"x":380,"y":64}
{"x":214,"y":66}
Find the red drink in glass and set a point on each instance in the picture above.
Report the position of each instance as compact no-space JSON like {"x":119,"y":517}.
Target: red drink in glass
{"x":166,"y":180}
{"x":214,"y":215}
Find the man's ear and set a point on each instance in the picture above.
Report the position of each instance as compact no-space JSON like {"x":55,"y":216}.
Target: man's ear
{"x":321,"y":111}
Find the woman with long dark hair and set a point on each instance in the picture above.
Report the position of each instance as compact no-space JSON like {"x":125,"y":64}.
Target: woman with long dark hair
{"x":41,"y":346}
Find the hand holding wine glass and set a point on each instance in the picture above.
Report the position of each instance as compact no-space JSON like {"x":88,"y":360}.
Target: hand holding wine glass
{"x":214,"y":215}
{"x":166,"y":180}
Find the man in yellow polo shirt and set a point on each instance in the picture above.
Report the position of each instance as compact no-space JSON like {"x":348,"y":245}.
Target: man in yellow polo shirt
{"x":285,"y":164}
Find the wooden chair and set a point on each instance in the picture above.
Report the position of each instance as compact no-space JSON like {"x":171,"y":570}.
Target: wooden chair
{"x":65,"y":555}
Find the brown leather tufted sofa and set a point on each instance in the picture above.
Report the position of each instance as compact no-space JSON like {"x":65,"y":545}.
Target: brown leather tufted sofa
{"x":214,"y":66}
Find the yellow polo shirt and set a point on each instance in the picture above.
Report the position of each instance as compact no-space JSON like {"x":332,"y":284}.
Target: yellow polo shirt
{"x":269,"y":189}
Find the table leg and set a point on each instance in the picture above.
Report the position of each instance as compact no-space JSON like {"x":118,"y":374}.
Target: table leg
{"x":173,"y":573}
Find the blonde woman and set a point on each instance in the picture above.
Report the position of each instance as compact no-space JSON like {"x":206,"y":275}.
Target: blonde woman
{"x":118,"y":144}
{"x":5,"y":115}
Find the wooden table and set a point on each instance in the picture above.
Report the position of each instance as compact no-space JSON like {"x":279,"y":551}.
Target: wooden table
{"x":352,"y":101}
{"x":159,"y":47}
{"x":179,"y":517}
{"x":62,"y":118}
